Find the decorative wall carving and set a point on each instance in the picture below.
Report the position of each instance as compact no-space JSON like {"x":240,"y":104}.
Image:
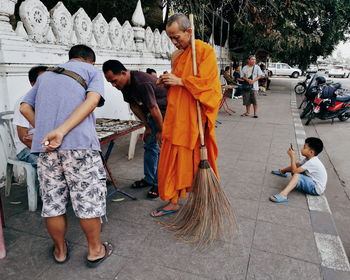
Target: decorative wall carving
{"x":128,"y":36}
{"x":164,"y":42}
{"x":82,"y":27}
{"x":157,"y":42}
{"x":149,"y":38}
{"x":138,"y":19}
{"x":100,"y":29}
{"x":61,"y":24}
{"x":115,"y":33}
{"x":35,"y":18}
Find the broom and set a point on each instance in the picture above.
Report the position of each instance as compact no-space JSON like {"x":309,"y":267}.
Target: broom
{"x":207,"y":212}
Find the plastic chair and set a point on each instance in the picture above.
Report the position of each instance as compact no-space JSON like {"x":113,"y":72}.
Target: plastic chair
{"x":7,"y":140}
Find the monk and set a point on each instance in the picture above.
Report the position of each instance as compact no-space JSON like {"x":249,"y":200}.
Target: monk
{"x":180,"y":156}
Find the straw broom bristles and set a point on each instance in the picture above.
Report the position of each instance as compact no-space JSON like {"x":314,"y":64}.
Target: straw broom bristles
{"x":207,"y":215}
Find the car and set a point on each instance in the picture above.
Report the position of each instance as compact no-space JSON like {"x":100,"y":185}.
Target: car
{"x":322,"y":67}
{"x":312,"y":69}
{"x":338,"y":71}
{"x":283,"y":69}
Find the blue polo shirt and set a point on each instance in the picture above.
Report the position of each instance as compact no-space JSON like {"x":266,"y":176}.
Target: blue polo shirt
{"x":55,"y":97}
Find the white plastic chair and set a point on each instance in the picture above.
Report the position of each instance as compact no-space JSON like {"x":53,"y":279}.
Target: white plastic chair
{"x":7,"y":140}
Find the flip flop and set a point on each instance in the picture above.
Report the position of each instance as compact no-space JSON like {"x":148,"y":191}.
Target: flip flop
{"x":255,"y":116}
{"x":279,"y":173}
{"x":244,"y":115}
{"x":153,"y":192}
{"x":67,"y":254}
{"x":279,"y":198}
{"x":108,"y":251}
{"x":140,"y":184}
{"x":165,"y":212}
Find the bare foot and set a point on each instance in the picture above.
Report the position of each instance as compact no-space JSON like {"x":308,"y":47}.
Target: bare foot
{"x":97,"y":255}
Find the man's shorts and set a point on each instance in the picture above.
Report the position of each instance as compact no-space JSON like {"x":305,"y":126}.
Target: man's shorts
{"x":78,"y":175}
{"x":249,"y":97}
{"x":306,"y":184}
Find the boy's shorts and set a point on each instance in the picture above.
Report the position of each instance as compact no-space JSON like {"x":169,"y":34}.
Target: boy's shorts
{"x":306,"y":184}
{"x":75,"y":174}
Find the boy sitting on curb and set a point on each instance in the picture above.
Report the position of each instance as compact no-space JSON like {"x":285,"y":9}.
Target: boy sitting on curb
{"x":309,"y":176}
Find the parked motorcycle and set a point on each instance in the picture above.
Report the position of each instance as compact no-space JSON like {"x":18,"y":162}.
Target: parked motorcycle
{"x":311,"y":92}
{"x":300,"y":87}
{"x":327,"y":105}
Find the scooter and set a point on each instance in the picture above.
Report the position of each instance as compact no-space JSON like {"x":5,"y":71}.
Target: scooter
{"x":300,"y":87}
{"x":327,"y":105}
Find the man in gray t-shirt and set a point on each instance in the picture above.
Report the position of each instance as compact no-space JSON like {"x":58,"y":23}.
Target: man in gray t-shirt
{"x":251,"y":73}
{"x":69,"y":164}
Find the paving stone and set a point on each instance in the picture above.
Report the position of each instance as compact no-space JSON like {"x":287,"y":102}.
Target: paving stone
{"x":27,"y":256}
{"x":323,"y":222}
{"x":146,"y":269}
{"x":283,"y":214}
{"x":245,"y":208}
{"x":286,"y":240}
{"x":331,"y":274}
{"x":267,"y":266}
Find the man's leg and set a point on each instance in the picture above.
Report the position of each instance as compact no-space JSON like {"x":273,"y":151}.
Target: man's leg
{"x":255,"y":107}
{"x":151,"y":155}
{"x":247,"y":111}
{"x":57,"y":228}
{"x":92,"y":229}
{"x":291,"y":185}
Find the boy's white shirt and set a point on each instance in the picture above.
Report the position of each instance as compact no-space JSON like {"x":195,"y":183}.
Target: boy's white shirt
{"x":315,"y":169}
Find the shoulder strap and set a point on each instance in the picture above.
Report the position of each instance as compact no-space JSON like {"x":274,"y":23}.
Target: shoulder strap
{"x":73,"y":75}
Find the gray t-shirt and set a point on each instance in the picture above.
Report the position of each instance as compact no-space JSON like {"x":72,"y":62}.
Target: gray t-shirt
{"x":247,"y":71}
{"x":54,"y":98}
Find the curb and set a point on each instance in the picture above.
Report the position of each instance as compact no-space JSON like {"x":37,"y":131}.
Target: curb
{"x":334,"y":262}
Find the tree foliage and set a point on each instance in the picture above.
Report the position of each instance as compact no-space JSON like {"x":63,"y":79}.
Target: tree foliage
{"x":293,"y":31}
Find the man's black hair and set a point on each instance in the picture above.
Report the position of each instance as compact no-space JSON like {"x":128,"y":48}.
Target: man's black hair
{"x":113,"y":65}
{"x":150,"y":71}
{"x":314,"y":144}
{"x":82,"y":51}
{"x":34,"y":73}
{"x":227,"y":68}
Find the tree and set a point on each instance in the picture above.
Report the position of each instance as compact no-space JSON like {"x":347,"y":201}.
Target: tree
{"x":293,"y":31}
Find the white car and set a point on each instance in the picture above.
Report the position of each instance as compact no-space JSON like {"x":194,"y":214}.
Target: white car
{"x":283,"y":69}
{"x":312,"y":69}
{"x":338,"y":71}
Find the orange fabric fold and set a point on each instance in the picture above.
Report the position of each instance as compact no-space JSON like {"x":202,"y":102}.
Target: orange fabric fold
{"x":179,"y":156}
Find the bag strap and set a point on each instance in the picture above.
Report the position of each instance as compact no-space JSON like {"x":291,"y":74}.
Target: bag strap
{"x":73,"y":75}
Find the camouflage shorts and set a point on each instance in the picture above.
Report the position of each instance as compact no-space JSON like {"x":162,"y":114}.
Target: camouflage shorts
{"x":78,"y":175}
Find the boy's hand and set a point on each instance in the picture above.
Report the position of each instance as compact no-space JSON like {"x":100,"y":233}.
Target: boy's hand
{"x":291,"y":153}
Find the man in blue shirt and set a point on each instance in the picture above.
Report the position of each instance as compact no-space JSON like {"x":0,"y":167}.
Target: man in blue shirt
{"x":69,"y":163}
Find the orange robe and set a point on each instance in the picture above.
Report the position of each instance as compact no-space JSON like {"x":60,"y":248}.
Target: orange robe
{"x":179,"y":155}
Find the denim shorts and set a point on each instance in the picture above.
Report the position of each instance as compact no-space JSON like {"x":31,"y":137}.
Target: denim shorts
{"x":75,"y":175}
{"x":306,"y":184}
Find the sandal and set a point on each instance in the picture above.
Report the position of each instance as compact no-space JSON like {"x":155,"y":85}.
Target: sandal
{"x":244,"y":115}
{"x":67,"y":254}
{"x":153,"y":192}
{"x":164,"y":213}
{"x":140,"y":184}
{"x":108,"y":251}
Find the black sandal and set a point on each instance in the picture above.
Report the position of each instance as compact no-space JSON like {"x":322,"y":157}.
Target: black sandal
{"x":140,"y":184}
{"x":67,"y":254}
{"x":153,"y":192}
{"x":108,"y":251}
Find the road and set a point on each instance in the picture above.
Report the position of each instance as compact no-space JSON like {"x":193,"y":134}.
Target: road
{"x":336,"y":138}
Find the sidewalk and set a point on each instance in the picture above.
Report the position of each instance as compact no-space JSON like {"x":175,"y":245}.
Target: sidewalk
{"x":275,"y":241}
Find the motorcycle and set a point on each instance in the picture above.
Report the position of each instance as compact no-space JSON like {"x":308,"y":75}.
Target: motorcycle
{"x":327,"y":105}
{"x":300,"y":87}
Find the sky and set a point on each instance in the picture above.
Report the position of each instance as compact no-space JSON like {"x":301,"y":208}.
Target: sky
{"x":344,"y":48}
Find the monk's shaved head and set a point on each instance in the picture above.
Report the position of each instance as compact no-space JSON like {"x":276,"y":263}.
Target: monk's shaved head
{"x":182,"y":21}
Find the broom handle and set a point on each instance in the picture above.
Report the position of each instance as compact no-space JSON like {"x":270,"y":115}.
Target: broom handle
{"x":194,"y":64}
